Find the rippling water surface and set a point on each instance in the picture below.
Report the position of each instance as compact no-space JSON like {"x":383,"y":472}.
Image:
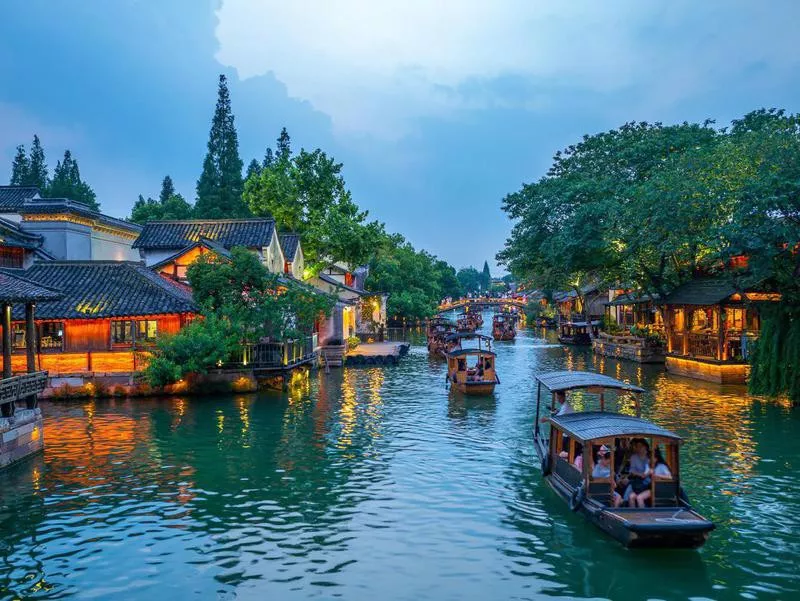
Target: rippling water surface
{"x":376,"y":483}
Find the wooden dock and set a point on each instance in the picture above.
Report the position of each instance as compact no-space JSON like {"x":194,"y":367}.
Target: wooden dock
{"x":377,"y":353}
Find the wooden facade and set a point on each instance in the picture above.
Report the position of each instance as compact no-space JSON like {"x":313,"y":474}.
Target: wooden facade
{"x":112,"y":346}
{"x":710,"y":329}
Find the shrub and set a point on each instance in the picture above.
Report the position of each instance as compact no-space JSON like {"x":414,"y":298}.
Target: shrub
{"x":353,"y":342}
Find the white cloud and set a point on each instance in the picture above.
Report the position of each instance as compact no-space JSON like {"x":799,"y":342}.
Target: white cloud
{"x":377,"y":65}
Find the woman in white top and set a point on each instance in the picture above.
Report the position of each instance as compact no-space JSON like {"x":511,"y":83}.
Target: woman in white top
{"x":660,"y":471}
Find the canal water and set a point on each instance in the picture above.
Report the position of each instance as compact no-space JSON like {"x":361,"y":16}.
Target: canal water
{"x":377,"y":483}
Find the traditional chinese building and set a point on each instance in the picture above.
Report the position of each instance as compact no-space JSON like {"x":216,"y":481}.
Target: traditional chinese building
{"x":293,"y":260}
{"x":710,"y":327}
{"x":107,"y":317}
{"x":171,"y":246}
{"x":59,"y":228}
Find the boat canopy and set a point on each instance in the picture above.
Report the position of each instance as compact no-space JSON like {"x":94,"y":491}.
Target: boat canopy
{"x":459,"y":335}
{"x":591,"y":425}
{"x":558,"y":381}
{"x":470,"y":351}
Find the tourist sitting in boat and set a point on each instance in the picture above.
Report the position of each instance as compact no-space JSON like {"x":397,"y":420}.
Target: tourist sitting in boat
{"x":602,"y":469}
{"x":660,"y":471}
{"x":639,"y":474}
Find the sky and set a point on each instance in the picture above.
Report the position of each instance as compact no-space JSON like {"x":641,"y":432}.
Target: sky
{"x":437,"y":109}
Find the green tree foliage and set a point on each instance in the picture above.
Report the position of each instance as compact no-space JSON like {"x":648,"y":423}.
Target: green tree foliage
{"x":416,"y":281}
{"x":219,"y":189}
{"x":37,"y":166}
{"x":20,"y":167}
{"x":170,"y":205}
{"x":67,"y":183}
{"x":306,"y":193}
{"x":620,"y":205}
{"x":167,"y":189}
{"x":253,"y":170}
{"x":242,"y":302}
{"x":486,"y":277}
{"x":470,"y":280}
{"x":776,"y":357}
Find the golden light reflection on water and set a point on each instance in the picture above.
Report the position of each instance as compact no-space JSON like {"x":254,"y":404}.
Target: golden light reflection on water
{"x":243,"y":404}
{"x":347,"y":409}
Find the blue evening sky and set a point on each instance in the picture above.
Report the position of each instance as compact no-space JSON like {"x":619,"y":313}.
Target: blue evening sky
{"x":436,"y":109}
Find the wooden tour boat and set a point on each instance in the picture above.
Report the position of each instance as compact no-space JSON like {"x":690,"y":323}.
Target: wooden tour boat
{"x":437,"y":331}
{"x":577,"y":332}
{"x":472,"y":371}
{"x":461,"y":340}
{"x":466,"y":322}
{"x":569,"y":442}
{"x":504,"y":326}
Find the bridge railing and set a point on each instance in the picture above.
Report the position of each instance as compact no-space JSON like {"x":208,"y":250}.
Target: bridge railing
{"x":481,"y":300}
{"x":17,"y":388}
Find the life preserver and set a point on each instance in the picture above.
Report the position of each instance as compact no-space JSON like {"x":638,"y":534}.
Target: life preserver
{"x":577,"y":498}
{"x":547,"y":465}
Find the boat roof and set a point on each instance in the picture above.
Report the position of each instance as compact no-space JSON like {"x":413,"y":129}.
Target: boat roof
{"x":458,"y":335}
{"x":470,"y":351}
{"x":580,"y":323}
{"x":557,"y":381}
{"x":591,"y":425}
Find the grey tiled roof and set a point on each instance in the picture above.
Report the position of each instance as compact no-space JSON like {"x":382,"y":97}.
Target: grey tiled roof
{"x":65,"y":205}
{"x":11,"y":234}
{"x":209,"y":244}
{"x":251,"y":233}
{"x":701,"y":291}
{"x":17,"y":289}
{"x":591,"y":425}
{"x":289,"y":245}
{"x":98,"y":289}
{"x":13,"y":197}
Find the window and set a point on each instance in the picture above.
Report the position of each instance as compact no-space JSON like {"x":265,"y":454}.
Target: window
{"x":51,"y":335}
{"x":146,"y":330}
{"x":127,"y":332}
{"x":18,"y":336}
{"x":121,"y":332}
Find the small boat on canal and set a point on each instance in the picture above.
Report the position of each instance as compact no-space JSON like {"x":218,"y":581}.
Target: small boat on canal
{"x":577,"y":332}
{"x":437,"y":331}
{"x":462,"y":340}
{"x":504,"y":326}
{"x":631,"y":469}
{"x":466,"y":322}
{"x":472,"y":371}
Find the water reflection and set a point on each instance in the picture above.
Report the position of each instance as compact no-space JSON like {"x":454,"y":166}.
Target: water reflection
{"x":379,"y":483}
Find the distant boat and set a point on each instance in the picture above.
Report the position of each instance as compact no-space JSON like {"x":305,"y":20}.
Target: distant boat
{"x":471,"y":370}
{"x":504,"y":326}
{"x":577,"y":332}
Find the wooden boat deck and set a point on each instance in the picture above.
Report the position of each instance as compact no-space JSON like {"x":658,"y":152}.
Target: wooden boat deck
{"x":658,"y":515}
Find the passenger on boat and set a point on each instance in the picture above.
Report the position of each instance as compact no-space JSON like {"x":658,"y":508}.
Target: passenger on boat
{"x":639,"y":475}
{"x":602,"y":469}
{"x":578,"y":461}
{"x":661,"y":471}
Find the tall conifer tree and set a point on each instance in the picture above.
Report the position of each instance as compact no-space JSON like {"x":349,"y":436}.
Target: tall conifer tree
{"x":253,"y":170}
{"x":20,"y":168}
{"x":67,"y":183}
{"x":37,"y":166}
{"x":486,"y":277}
{"x":167,"y":189}
{"x":219,"y":189}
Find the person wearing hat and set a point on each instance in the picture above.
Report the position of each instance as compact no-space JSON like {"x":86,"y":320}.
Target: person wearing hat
{"x":602,"y":469}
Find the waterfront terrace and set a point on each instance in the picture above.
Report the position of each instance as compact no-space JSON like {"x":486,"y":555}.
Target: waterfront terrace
{"x":108,"y":316}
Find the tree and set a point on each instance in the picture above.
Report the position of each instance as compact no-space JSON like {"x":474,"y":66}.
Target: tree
{"x":67,"y":183}
{"x":306,"y":193}
{"x":470,"y":280}
{"x":486,"y":277}
{"x":20,"y":168}
{"x":241,"y":303}
{"x":175,"y":207}
{"x":37,"y":171}
{"x":219,"y":189}
{"x":167,"y":189}
{"x":253,"y":170}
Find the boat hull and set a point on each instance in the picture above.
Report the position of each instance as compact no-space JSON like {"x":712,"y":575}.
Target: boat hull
{"x":656,"y":527}
{"x":474,"y":388}
{"x":578,"y":340}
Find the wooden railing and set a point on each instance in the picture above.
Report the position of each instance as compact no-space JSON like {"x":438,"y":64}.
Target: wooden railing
{"x":704,"y":345}
{"x":272,"y":355}
{"x":481,"y":300}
